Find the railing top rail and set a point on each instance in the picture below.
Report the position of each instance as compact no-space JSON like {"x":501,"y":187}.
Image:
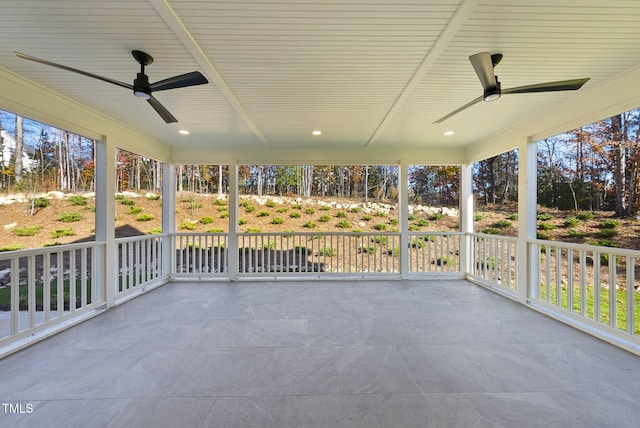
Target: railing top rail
{"x":314,"y":234}
{"x":489,"y":235}
{"x":586,"y":247}
{"x":435,"y":233}
{"x":137,"y":238}
{"x":49,"y":250}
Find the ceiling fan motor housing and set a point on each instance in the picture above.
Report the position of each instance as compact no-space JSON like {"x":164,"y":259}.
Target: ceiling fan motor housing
{"x":141,"y":87}
{"x":493,"y":93}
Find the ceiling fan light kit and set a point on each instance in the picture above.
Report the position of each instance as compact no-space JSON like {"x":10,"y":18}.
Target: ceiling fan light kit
{"x":141,"y":87}
{"x":484,"y":65}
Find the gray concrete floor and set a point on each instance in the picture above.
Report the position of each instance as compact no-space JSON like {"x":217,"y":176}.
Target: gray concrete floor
{"x":322,"y":354}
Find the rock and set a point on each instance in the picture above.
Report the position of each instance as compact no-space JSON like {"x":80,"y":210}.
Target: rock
{"x":56,"y":195}
{"x":10,"y":225}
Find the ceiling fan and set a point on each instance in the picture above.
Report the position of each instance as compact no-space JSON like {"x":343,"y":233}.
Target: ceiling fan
{"x":484,"y":64}
{"x":141,"y":87}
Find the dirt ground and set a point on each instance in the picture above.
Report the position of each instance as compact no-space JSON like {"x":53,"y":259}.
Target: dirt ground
{"x":207,"y":213}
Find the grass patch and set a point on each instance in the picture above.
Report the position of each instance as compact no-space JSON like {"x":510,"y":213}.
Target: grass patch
{"x":609,"y":224}
{"x":59,"y":233}
{"x":545,"y":226}
{"x":224,"y":214}
{"x":571,"y":222}
{"x":4,"y":248}
{"x":135,"y":210}
{"x":585,"y":216}
{"x":436,"y":216}
{"x":490,"y":231}
{"x":249,"y":208}
{"x":380,"y":226}
{"x":444,"y":260}
{"x":607,"y":233}
{"x":542,"y":235}
{"x":282,"y":210}
{"x":309,"y":211}
{"x":295,"y":214}
{"x":270,"y":204}
{"x":215,"y":230}
{"x":145,"y":217}
{"x":263,"y":214}
{"x":366,"y":217}
{"x":5,"y":294}
{"x":187,"y":225}
{"x":125,"y":201}
{"x":544,"y":217}
{"x":421,"y":222}
{"x":242,"y":221}
{"x":40,"y":202}
{"x":310,"y":225}
{"x":153,"y":196}
{"x":70,"y":217}
{"x":513,"y":217}
{"x":327,"y":252}
{"x":575,"y":233}
{"x":220,"y":202}
{"x":277,"y":220}
{"x":501,"y":224}
{"x":324,"y":218}
{"x":325,"y":207}
{"x":155,"y":231}
{"x":206,"y":219}
{"x":341,"y":214}
{"x":77,"y":200}
{"x":253,"y":230}
{"x":343,"y":224}
{"x":26,"y":230}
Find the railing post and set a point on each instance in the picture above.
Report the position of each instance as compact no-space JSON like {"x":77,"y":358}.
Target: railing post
{"x":168,"y":218}
{"x":232,"y":244}
{"x":105,"y":219}
{"x":466,"y":218}
{"x":403,"y":205}
{"x":527,"y":264}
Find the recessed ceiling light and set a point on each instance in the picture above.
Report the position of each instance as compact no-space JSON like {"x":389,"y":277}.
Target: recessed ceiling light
{"x":184,"y":132}
{"x":448,"y":133}
{"x":316,"y":132}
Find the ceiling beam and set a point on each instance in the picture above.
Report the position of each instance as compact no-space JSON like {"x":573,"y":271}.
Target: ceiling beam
{"x":464,"y":11}
{"x":170,"y":17}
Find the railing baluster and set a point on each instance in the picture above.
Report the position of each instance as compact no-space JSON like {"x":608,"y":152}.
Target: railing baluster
{"x":72,"y":280}
{"x":612,"y":289}
{"x":31,"y":290}
{"x":630,"y":327}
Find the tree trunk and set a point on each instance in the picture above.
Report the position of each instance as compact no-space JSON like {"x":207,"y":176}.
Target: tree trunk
{"x":19,"y":149}
{"x":619,"y":166}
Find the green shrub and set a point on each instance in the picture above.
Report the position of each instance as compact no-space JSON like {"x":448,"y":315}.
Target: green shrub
{"x":380,"y":214}
{"x":393,"y":221}
{"x":490,"y":231}
{"x":310,"y":225}
{"x":194,"y":205}
{"x":222,"y":208}
{"x":296,"y":206}
{"x":59,"y":233}
{"x":585,"y":216}
{"x":604,"y":243}
{"x":369,"y":249}
{"x":443,"y":260}
{"x":309,"y":211}
{"x":70,"y":217}
{"x":253,"y":230}
{"x":187,"y":225}
{"x":206,"y":219}
{"x":544,"y":217}
{"x":421,"y":222}
{"x":575,"y":233}
{"x":188,"y":200}
{"x":417,"y":243}
{"x":145,"y":217}
{"x":155,"y":231}
{"x":393,"y":251}
{"x":215,"y":230}
{"x":356,"y":230}
{"x":91,"y":208}
{"x":513,"y":217}
{"x":220,"y":202}
{"x":224,"y":214}
{"x":545,"y":226}
{"x":343,"y":224}
{"x":436,"y":216}
{"x":366,"y":217}
{"x":501,"y":224}
{"x":242,"y":221}
{"x":380,"y":226}
{"x":277,"y":220}
{"x":324,"y":218}
{"x":249,"y":208}
{"x":328,"y":252}
{"x":378,"y":239}
{"x":542,"y":235}
{"x":295,"y":214}
{"x":341,"y":214}
{"x":135,"y":210}
{"x":119,"y":197}
{"x":40,"y":202}
{"x":607,"y":233}
{"x":571,"y":222}
{"x":77,"y":200}
{"x":51,"y":244}
{"x":127,"y":202}
{"x":283,"y":210}
{"x":412,"y":216}
{"x":4,"y":248}
{"x":243,"y":204}
{"x":153,"y":196}
{"x":609,"y":224}
{"x":325,"y":207}
{"x":263,"y":214}
{"x":270,"y":204}
{"x":269,"y":245}
{"x":414,"y":228}
{"x":26,"y":230}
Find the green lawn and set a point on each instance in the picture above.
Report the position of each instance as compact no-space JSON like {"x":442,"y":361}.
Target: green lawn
{"x":621,"y":304}
{"x":5,"y":296}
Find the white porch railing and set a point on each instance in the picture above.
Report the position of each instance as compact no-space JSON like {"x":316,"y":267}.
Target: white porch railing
{"x":308,"y":253}
{"x":139,"y":262}
{"x":46,"y":286}
{"x":494,"y":261}
{"x":199,"y":254}
{"x":434,"y":252}
{"x":596,"y":285}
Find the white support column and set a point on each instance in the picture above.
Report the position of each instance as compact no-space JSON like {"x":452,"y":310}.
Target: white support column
{"x":466,"y":217}
{"x":232,"y":247}
{"x":403,"y":205}
{"x":527,"y":267}
{"x":105,"y":177}
{"x":168,"y":217}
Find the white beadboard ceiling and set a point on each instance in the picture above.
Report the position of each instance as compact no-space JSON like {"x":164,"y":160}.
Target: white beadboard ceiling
{"x":368,"y":73}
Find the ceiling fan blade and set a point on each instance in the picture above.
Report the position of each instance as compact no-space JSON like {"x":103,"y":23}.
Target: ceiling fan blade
{"x":182,"y":81}
{"x":73,"y":70}
{"x":561,"y":85}
{"x":456,"y":111}
{"x":483,"y":66}
{"x":161,"y":110}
